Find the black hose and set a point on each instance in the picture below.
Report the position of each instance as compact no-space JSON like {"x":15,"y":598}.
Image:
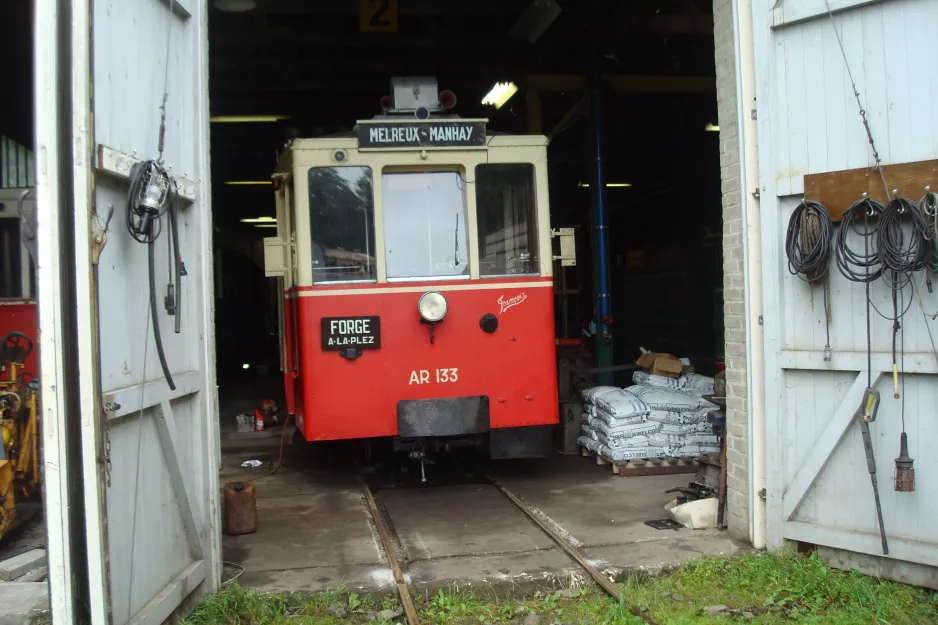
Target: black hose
{"x":156,"y":319}
{"x":808,"y":241}
{"x":902,"y":254}
{"x":146,"y":205}
{"x":854,"y":266}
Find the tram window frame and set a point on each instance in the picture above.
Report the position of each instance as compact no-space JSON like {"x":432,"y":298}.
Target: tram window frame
{"x":531,"y":234}
{"x":461,"y":233}
{"x":319,"y":274}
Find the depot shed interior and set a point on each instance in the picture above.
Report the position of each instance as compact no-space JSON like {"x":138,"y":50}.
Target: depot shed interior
{"x":321,"y":65}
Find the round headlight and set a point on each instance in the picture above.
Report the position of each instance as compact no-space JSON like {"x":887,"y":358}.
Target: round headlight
{"x":432,"y":306}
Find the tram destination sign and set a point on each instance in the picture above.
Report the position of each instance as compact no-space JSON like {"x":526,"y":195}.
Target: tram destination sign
{"x":351,"y":332}
{"x":422,"y":134}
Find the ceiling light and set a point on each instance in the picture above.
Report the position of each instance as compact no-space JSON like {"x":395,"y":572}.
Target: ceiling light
{"x":609,"y":185}
{"x":240,"y":183}
{"x":500,"y":93}
{"x":235,"y":6}
{"x":265,"y":225}
{"x":246,"y":119}
{"x":259,"y":220}
{"x":711,"y":128}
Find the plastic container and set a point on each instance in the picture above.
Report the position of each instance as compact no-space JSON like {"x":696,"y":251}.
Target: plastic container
{"x":240,"y":509}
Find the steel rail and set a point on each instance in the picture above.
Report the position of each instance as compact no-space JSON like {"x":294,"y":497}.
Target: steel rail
{"x":407,"y":601}
{"x":612,"y":589}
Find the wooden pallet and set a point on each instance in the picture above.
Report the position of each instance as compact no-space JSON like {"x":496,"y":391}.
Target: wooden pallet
{"x":639,"y":467}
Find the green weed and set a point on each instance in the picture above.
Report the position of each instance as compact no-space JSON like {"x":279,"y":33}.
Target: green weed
{"x":784,"y":588}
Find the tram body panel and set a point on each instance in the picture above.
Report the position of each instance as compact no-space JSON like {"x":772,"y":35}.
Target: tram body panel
{"x":513,"y":367}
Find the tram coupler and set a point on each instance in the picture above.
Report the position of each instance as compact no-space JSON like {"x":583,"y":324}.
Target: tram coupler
{"x":422,"y":457}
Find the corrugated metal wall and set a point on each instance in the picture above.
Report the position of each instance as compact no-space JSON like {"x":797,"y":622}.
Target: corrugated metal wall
{"x":818,"y":488}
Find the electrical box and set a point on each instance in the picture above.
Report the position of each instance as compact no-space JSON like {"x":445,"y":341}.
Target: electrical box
{"x":567,"y":244}
{"x":274,"y":257}
{"x":412,"y":93}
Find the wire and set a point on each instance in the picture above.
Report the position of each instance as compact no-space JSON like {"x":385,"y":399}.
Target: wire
{"x":856,"y":94}
{"x":808,"y":241}
{"x":903,"y":255}
{"x":853,"y":266}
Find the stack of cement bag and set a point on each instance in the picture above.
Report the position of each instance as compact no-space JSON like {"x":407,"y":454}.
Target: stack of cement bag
{"x":649,"y":421}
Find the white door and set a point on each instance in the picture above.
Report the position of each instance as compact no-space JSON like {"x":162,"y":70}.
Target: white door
{"x":818,"y":486}
{"x":149,"y":454}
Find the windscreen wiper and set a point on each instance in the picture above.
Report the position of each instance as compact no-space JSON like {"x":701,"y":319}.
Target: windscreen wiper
{"x":456,"y":251}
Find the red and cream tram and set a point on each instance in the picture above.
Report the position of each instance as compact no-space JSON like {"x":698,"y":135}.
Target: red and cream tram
{"x":415,"y":258}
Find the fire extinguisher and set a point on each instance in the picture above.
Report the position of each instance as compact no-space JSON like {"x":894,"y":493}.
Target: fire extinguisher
{"x":258,"y":421}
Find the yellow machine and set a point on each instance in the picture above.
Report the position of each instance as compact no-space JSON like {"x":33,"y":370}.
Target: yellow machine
{"x":19,"y":453}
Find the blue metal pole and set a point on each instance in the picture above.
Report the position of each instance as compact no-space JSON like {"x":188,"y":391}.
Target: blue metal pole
{"x":600,"y":221}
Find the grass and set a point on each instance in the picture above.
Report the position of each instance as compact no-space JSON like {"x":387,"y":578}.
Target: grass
{"x":776,"y":589}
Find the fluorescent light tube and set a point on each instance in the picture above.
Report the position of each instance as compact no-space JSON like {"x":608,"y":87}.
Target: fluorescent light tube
{"x":246,"y":119}
{"x":500,"y":93}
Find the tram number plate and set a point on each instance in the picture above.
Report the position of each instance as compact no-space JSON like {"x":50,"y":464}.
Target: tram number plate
{"x":347,"y":332}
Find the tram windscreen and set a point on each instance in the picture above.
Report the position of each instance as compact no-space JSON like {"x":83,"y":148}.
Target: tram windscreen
{"x":425,"y":224}
{"x":342,"y":224}
{"x":506,"y":208}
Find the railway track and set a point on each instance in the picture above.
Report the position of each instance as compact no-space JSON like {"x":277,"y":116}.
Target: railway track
{"x":407,"y":601}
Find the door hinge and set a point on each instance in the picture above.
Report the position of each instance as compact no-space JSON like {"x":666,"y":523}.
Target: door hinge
{"x":753,"y":115}
{"x":99,"y":233}
{"x":761,"y":320}
{"x":762,"y":494}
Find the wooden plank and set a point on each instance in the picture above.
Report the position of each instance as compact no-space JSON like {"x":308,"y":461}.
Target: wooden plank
{"x":116,"y":164}
{"x":166,"y":427}
{"x":132,"y":399}
{"x":813,"y":360}
{"x":837,"y":190}
{"x":901,"y":549}
{"x":812,"y":465}
{"x":162,"y":606}
{"x":786,"y":14}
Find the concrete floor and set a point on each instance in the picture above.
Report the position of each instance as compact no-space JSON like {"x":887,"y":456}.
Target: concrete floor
{"x":315,"y":533}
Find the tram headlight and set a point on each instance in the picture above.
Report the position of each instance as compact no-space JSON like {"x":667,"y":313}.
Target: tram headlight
{"x":432,"y":306}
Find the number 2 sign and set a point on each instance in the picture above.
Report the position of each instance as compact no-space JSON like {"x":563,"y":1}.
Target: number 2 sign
{"x":377,"y":16}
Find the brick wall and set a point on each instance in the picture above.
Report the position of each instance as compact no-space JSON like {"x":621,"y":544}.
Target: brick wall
{"x":737,"y":443}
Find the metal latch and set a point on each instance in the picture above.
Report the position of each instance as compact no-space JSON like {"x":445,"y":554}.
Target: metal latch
{"x":351,"y":353}
{"x":566,"y":237}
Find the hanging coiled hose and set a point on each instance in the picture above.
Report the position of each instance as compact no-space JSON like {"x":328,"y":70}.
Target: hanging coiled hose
{"x":853,"y":265}
{"x":902,"y":251}
{"x":929,"y":207}
{"x":808,"y":242}
{"x":152,"y":194}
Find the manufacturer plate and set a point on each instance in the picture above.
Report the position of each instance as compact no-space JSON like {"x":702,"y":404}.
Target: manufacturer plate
{"x":351,"y":332}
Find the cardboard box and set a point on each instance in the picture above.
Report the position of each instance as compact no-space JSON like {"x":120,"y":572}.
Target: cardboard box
{"x":661,"y":364}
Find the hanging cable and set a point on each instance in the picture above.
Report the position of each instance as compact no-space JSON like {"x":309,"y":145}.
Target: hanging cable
{"x":808,"y":241}
{"x":809,"y":244}
{"x":902,"y":252}
{"x":152,"y":193}
{"x":852,"y":265}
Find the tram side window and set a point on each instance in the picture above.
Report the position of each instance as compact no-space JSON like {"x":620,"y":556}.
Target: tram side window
{"x":506,"y":211}
{"x":425,"y":224}
{"x":10,"y":258}
{"x":342,"y":224}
